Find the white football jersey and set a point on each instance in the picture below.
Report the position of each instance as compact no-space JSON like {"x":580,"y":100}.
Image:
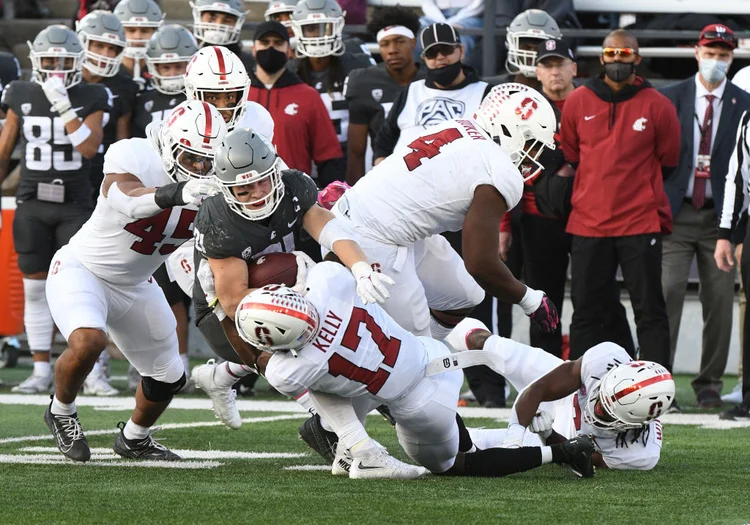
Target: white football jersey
{"x":359,"y":350}
{"x":122,"y":250}
{"x":626,"y":452}
{"x":258,"y":119}
{"x":426,"y":187}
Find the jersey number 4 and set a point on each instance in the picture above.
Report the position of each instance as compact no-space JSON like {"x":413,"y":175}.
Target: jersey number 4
{"x":388,"y":346}
{"x":150,"y":231}
{"x":429,"y":146}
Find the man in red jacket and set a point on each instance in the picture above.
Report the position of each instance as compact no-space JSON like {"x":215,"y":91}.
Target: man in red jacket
{"x":624,"y":138}
{"x":303,"y":131}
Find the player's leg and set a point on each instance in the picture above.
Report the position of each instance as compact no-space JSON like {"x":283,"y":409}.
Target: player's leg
{"x":179,"y":304}
{"x":79,"y":304}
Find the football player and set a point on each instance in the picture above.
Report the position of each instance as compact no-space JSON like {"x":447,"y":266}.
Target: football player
{"x":604,"y":394}
{"x":10,"y":70}
{"x":524,"y":34}
{"x":141,"y":19}
{"x":330,"y":342}
{"x":101,"y":284}
{"x":262,"y":209}
{"x":459,"y":175}
{"x":59,"y":121}
{"x":218,"y":23}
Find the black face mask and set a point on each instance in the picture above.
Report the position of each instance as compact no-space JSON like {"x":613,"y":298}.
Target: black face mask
{"x":271,"y":60}
{"x":444,"y":75}
{"x":618,"y":71}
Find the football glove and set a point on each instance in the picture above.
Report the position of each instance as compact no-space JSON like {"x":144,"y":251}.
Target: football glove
{"x":57,"y":94}
{"x":546,"y":316}
{"x":541,"y":424}
{"x":371,"y":285}
{"x":206,"y":280}
{"x":196,"y":191}
{"x":514,"y":436}
{"x":304,"y":263}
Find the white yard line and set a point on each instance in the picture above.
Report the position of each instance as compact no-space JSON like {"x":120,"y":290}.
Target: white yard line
{"x":108,"y":453}
{"x":309,"y":467}
{"x":44,"y":459}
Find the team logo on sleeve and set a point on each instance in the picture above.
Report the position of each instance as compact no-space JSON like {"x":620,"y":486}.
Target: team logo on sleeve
{"x":377,"y":94}
{"x":26,"y":108}
{"x":433,"y":111}
{"x":148,"y":106}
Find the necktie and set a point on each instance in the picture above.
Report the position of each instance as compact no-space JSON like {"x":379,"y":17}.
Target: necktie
{"x":699,"y":185}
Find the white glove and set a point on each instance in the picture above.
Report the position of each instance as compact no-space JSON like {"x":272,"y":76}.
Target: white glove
{"x":206,"y":280}
{"x":371,"y":285}
{"x":57,"y":94}
{"x":304,"y":263}
{"x":196,"y":191}
{"x":541,"y":424}
{"x":514,"y":436}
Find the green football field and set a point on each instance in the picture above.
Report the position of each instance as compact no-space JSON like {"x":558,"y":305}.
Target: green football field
{"x":262,"y":473}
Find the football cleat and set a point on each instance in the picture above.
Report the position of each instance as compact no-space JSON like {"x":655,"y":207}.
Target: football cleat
{"x":342,"y":463}
{"x":97,"y":384}
{"x":735,"y":396}
{"x":741,"y":411}
{"x":34,"y":384}
{"x":386,"y":413}
{"x":68,"y":435}
{"x":319,"y":439}
{"x":223,"y":399}
{"x":457,"y":338}
{"x":579,"y":451}
{"x":384,"y":466}
{"x":146,"y":448}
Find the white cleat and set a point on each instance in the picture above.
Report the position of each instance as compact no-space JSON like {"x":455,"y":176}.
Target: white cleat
{"x":384,"y":466}
{"x":457,"y":338}
{"x":735,"y":396}
{"x":98,"y":385}
{"x":34,"y":384}
{"x":223,"y":399}
{"x":342,"y":463}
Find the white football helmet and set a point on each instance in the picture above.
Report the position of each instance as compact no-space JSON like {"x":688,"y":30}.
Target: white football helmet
{"x":278,"y":7}
{"x":216,"y":69}
{"x":101,"y":26}
{"x":629,"y":396}
{"x":62,"y":46}
{"x":533,"y":24}
{"x":213,"y":33}
{"x":325,"y":19}
{"x":276,"y":318}
{"x":521,"y":121}
{"x":188,"y":139}
{"x":138,"y":13}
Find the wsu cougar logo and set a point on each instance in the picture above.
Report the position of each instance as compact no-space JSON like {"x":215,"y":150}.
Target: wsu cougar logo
{"x":436,"y":110}
{"x":526,"y":108}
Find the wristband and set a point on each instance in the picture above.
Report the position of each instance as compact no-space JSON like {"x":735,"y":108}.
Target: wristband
{"x":80,"y":135}
{"x":170,"y":195}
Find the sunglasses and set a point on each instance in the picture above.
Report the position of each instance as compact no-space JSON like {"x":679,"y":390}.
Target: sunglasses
{"x":440,"y":49}
{"x":723,"y":36}
{"x":624,"y":52}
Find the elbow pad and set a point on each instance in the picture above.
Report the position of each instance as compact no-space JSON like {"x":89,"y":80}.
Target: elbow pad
{"x":336,"y":230}
{"x":134,"y":207}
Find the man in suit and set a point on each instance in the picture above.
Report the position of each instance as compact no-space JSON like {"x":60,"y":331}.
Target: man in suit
{"x":709,"y":108}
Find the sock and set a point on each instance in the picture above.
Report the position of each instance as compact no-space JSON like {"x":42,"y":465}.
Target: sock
{"x":133,"y":431}
{"x":186,"y":364}
{"x":497,"y":462}
{"x":366,"y":447}
{"x":465,"y":444}
{"x":304,"y":400}
{"x":36,"y":315}
{"x":228,"y":373}
{"x":42,"y":368}
{"x":437,"y":330}
{"x":62,"y":409}
{"x":546,"y":455}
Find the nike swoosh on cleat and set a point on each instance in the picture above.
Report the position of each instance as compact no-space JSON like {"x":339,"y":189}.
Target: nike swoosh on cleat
{"x":362,"y":467}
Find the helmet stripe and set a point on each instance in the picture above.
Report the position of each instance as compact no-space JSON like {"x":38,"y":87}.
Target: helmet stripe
{"x":643,"y":384}
{"x":209,"y":123}
{"x":281,"y":310}
{"x":222,"y":66}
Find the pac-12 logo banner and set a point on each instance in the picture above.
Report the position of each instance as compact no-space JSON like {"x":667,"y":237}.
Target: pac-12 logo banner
{"x":436,"y":110}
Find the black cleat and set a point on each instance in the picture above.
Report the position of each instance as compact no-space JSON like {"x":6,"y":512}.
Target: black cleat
{"x":319,"y":439}
{"x":68,"y":434}
{"x":741,"y":411}
{"x":146,"y":448}
{"x":579,"y":451}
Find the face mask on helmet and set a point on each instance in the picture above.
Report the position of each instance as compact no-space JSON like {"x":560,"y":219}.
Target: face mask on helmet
{"x":280,"y":11}
{"x":171,"y":84}
{"x":319,"y":35}
{"x":50,"y":65}
{"x":217,"y":23}
{"x":257,"y":197}
{"x":524,"y":33}
{"x":137,"y":36}
{"x":98,"y":64}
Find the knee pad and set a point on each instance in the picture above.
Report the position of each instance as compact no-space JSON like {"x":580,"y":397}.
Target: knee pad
{"x":158,"y":391}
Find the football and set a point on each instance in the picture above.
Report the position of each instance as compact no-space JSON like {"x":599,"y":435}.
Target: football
{"x":272,"y":268}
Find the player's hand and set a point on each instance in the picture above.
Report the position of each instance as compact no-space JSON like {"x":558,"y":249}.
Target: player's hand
{"x":304,"y":263}
{"x":541,"y":424}
{"x":506,"y":240}
{"x":514,"y":436}
{"x":371,"y":284}
{"x":57,"y":94}
{"x":546,"y":316}
{"x":328,"y":196}
{"x":723,"y":255}
{"x":206,"y":280}
{"x":196,"y":191}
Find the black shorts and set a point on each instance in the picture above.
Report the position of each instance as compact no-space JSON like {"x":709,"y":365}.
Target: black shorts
{"x":41,"y":228}
{"x":213,"y":333}
{"x":171,"y":289}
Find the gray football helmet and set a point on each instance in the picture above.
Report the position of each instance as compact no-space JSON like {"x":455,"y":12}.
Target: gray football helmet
{"x":211,"y":32}
{"x":101,"y":26}
{"x":318,"y":26}
{"x":243,"y":158}
{"x":532,"y":24}
{"x":138,"y":13}
{"x":280,"y":7}
{"x":61,"y":45}
{"x":170,"y":44}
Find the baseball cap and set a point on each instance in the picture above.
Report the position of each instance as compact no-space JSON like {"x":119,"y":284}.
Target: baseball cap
{"x":271,"y":26}
{"x":439,"y":33}
{"x":717,"y":34}
{"x":553,"y":48}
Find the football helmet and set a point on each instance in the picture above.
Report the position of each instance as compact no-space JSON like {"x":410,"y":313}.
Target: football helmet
{"x":278,"y":7}
{"x":138,"y":13}
{"x":246,"y":157}
{"x":61,"y":44}
{"x":521,"y":121}
{"x":629,"y":396}
{"x":323,"y":20}
{"x":276,"y":318}
{"x":213,"y":33}
{"x":171,"y":43}
{"x":101,"y":26}
{"x":216,"y":69}
{"x":532,"y":23}
{"x":188,"y":139}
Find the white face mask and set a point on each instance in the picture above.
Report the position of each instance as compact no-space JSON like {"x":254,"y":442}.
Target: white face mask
{"x":713,"y":70}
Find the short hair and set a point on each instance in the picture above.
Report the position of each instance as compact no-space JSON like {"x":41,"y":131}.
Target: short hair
{"x":393,"y":16}
{"x":623,"y":33}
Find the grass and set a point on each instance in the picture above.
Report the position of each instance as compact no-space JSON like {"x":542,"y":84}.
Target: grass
{"x":702,"y":478}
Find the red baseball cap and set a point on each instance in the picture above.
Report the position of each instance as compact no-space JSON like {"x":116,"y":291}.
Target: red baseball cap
{"x":717,"y":34}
